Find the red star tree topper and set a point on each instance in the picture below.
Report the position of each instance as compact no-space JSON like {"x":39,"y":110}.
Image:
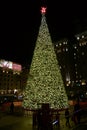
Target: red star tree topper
{"x":43,"y":10}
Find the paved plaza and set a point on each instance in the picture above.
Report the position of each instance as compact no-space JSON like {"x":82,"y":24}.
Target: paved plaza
{"x":18,"y":121}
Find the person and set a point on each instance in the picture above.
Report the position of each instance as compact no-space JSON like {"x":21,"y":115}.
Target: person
{"x":39,"y":119}
{"x":12,"y":107}
{"x":34,"y":119}
{"x":46,"y":117}
{"x":77,"y":113}
{"x":58,"y":119}
{"x":67,"y":116}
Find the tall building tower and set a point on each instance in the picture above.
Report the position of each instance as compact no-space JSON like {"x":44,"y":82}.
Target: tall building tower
{"x":72,"y":54}
{"x":63,"y":57}
{"x":81,"y":55}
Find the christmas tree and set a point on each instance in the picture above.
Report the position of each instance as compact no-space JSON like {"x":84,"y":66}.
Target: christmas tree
{"x":45,"y":83}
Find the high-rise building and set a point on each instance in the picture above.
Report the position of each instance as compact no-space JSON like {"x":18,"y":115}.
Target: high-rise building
{"x":72,"y":54}
{"x":81,"y":55}
{"x":63,"y":55}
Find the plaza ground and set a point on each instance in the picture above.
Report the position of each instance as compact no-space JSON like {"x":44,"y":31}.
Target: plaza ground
{"x":21,"y":121}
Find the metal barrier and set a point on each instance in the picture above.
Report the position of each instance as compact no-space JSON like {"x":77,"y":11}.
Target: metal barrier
{"x":61,"y":121}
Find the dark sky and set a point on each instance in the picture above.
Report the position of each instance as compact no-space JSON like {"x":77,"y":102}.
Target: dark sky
{"x":21,"y":21}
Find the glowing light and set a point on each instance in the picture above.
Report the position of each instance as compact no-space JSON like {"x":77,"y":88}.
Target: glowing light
{"x":43,"y":10}
{"x":45,"y":84}
{"x":10,"y":65}
{"x":15,"y":90}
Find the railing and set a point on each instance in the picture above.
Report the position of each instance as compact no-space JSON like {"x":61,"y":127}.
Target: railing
{"x":61,"y":121}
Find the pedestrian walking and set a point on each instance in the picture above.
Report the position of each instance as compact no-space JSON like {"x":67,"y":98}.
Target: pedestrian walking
{"x":39,"y":119}
{"x":12,"y":107}
{"x":77,"y":113}
{"x":34,"y":119}
{"x":57,"y":119}
{"x":67,"y":116}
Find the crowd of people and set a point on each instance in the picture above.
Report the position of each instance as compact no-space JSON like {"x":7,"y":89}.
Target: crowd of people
{"x":46,"y":119}
{"x":75,"y":115}
{"x":42,"y":118}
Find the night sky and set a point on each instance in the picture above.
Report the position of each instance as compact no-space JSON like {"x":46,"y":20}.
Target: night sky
{"x":21,"y":21}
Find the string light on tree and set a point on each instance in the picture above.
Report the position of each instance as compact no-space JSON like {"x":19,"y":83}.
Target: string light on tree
{"x":45,"y":85}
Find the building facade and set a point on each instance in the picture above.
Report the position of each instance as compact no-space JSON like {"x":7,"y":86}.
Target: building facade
{"x":10,"y":78}
{"x":72,"y":54}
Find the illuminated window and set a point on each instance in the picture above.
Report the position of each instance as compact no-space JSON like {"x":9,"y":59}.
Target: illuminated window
{"x":82,"y":36}
{"x":3,"y":71}
{"x":84,"y":43}
{"x":56,"y":45}
{"x":60,"y":44}
{"x":78,"y":38}
{"x":60,"y":67}
{"x":75,"y":46}
{"x":64,"y":43}
{"x":80,"y":44}
{"x":76,"y":72}
{"x":66,"y":49}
